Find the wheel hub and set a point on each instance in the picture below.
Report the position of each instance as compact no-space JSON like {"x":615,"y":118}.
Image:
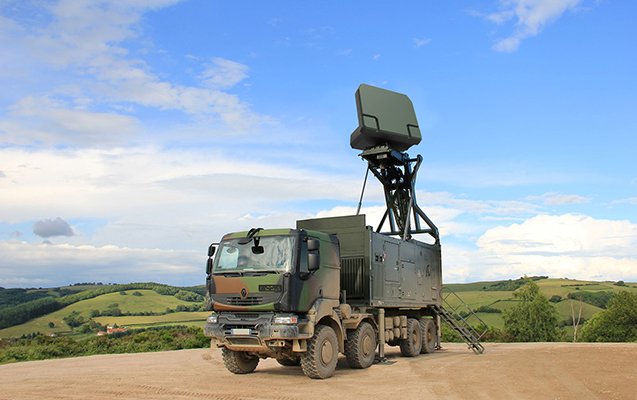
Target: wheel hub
{"x":367,"y":345}
{"x":327,"y":352}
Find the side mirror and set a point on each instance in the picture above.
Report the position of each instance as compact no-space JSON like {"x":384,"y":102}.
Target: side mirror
{"x":209,"y":266}
{"x":313,"y":261}
{"x":211,"y":249}
{"x":313,"y":244}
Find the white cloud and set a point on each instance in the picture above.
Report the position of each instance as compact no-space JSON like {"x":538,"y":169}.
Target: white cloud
{"x":49,"y":121}
{"x":25,"y":264}
{"x":557,"y":199}
{"x":76,"y":51}
{"x":419,"y":42}
{"x":629,"y":200}
{"x":224,"y":73}
{"x":191,"y":191}
{"x":530,"y":17}
{"x":575,"y":246}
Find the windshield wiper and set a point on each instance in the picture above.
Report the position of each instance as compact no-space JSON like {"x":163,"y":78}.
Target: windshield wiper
{"x":229,"y":273}
{"x":261,"y":271}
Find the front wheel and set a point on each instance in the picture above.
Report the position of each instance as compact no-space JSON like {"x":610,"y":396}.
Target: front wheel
{"x":319,"y":361}
{"x":239,"y":362}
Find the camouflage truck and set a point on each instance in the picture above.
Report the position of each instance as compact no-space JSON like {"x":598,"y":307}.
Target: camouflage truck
{"x":335,"y":285}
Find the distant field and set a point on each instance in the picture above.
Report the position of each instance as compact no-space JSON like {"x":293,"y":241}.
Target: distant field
{"x":150,"y":301}
{"x":475,"y":296}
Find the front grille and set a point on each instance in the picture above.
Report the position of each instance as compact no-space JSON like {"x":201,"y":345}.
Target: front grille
{"x":244,"y":301}
{"x":244,"y":341}
{"x":243,"y":316}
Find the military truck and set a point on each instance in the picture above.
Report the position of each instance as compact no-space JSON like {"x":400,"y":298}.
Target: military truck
{"x":335,"y":285}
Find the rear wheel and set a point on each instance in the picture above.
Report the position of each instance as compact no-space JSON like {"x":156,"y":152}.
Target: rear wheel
{"x":428,"y":332}
{"x":360,"y":347}
{"x":319,"y":361}
{"x":239,"y":362}
{"x":411,"y":345}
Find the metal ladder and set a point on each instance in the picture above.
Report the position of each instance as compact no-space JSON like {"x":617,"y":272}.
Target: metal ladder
{"x":455,"y":320}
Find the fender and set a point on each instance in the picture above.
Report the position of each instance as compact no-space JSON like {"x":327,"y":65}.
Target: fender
{"x":323,"y":312}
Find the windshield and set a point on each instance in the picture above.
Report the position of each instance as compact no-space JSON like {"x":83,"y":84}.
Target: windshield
{"x":235,"y":257}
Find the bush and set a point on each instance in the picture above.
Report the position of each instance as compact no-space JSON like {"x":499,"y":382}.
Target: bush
{"x":74,"y":319}
{"x":598,"y":299}
{"x":188,"y":296}
{"x":533,"y":319}
{"x":556,"y":298}
{"x":488,"y":309}
{"x":136,"y":293}
{"x":618,"y":323}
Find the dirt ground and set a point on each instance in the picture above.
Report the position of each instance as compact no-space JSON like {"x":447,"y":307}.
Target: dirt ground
{"x":504,"y":371}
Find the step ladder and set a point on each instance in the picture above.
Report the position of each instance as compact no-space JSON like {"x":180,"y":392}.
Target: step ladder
{"x":458,"y":320}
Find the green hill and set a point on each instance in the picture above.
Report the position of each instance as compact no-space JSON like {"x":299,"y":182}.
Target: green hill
{"x":478,"y":296}
{"x":82,"y":309}
{"x":148,"y":305}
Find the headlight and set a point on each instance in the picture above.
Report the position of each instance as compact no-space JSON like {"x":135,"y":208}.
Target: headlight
{"x":286,"y":319}
{"x":212,"y":319}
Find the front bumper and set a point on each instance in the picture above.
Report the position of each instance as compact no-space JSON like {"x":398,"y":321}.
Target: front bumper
{"x":253,"y":331}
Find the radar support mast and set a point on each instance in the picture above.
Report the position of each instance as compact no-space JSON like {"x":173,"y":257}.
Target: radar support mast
{"x":387,"y":128}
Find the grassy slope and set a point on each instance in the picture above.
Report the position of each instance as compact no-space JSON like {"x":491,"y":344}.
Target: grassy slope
{"x":149,"y":301}
{"x":471,"y":293}
{"x":474,"y":296}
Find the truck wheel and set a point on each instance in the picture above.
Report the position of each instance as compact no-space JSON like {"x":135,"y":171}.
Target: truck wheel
{"x":360,"y":347}
{"x":319,"y":361}
{"x":410,"y":346}
{"x":239,"y":362}
{"x":287,"y":362}
{"x":428,"y":332}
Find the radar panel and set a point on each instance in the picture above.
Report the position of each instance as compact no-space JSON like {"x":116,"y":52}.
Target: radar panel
{"x":384,"y":118}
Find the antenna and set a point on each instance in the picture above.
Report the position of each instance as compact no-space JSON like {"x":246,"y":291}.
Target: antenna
{"x":387,"y":128}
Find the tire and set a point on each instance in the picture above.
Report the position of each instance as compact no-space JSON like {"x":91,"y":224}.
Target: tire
{"x":428,"y":333}
{"x":239,"y":362}
{"x":319,"y":361}
{"x":360,"y":348}
{"x":410,"y":346}
{"x":287,"y":362}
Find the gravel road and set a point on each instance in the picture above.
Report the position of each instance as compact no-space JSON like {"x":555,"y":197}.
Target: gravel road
{"x":504,"y":371}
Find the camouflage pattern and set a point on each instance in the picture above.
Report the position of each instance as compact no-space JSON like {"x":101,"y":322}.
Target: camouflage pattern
{"x":293,"y":291}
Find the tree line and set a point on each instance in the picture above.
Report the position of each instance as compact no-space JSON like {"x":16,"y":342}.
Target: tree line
{"x":40,"y":347}
{"x":21,"y":313}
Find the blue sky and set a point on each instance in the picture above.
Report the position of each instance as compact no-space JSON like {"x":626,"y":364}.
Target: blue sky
{"x":134,"y":133}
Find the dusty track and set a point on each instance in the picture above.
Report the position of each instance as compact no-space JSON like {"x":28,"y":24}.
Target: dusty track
{"x":504,"y":371}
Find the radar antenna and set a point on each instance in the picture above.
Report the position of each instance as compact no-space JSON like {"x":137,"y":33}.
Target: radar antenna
{"x":387,"y":128}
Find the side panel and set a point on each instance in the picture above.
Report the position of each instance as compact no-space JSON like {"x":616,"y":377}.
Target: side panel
{"x":404,"y":273}
{"x":353,"y":237}
{"x":380,"y":270}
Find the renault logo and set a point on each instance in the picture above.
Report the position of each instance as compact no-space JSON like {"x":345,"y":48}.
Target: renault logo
{"x":244,"y":292}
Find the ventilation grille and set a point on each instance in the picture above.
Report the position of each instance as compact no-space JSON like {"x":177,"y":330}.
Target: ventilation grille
{"x":353,"y":277}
